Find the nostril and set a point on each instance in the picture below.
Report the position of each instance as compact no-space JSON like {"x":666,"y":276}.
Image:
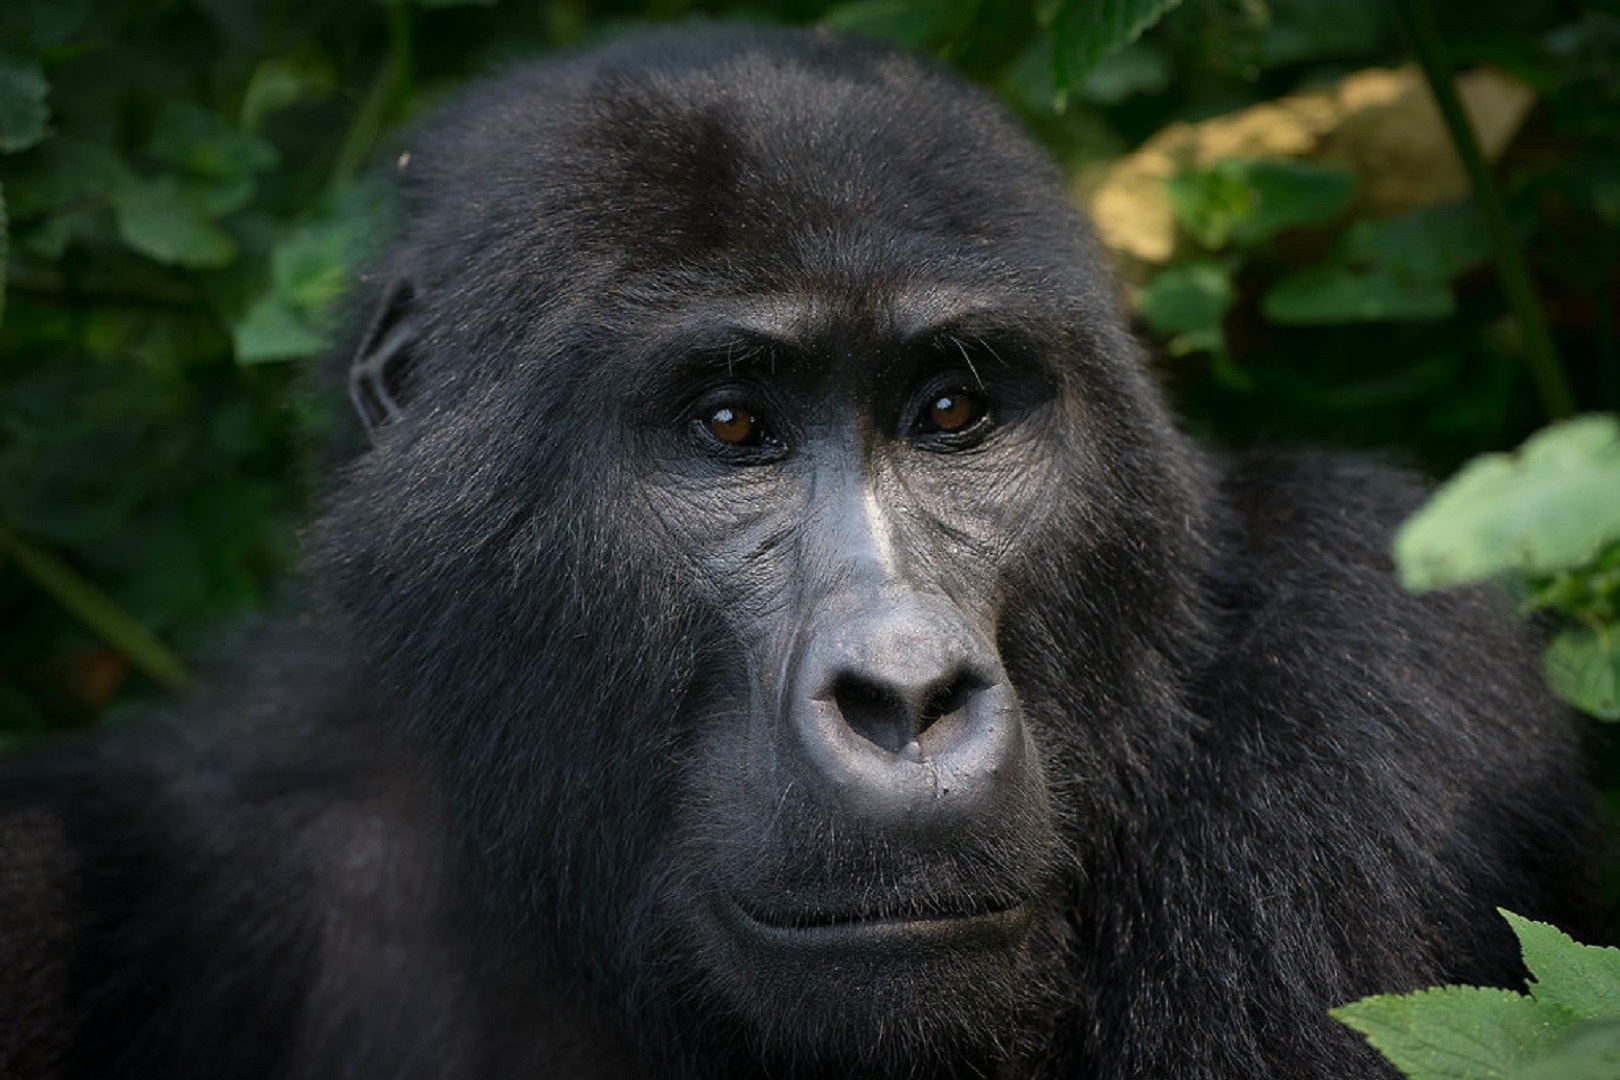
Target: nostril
{"x":889,"y":716}
{"x":874,"y":712}
{"x":950,"y":697}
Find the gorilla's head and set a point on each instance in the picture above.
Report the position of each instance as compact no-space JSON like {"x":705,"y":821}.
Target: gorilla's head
{"x":772,"y":535}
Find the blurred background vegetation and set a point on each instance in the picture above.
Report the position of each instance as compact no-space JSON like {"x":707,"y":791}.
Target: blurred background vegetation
{"x":185,"y":197}
{"x":1378,"y":223}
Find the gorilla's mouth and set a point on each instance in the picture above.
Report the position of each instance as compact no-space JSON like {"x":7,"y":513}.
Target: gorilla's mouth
{"x":935,"y":912}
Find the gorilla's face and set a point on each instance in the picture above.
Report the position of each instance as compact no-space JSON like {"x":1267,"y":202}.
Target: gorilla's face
{"x":777,"y":546}
{"x":847,"y":493}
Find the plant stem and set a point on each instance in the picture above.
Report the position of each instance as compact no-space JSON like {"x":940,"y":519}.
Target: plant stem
{"x":1608,"y":341}
{"x":95,"y":610}
{"x":389,"y":86}
{"x":1551,"y":384}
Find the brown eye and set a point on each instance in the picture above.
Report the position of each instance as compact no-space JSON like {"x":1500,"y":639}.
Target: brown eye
{"x":954,"y":411}
{"x":735,"y":426}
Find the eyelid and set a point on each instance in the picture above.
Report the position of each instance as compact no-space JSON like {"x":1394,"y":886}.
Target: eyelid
{"x":747,"y":397}
{"x":942,"y":383}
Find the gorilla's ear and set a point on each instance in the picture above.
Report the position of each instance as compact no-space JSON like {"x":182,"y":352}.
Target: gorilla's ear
{"x":379,"y":375}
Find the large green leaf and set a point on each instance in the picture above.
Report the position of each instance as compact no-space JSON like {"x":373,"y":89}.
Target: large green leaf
{"x":161,"y":218}
{"x":1566,"y":1028}
{"x":1305,"y":31}
{"x":1339,"y":294}
{"x":914,"y":24}
{"x":270,"y":330}
{"x":1583,"y":978}
{"x":23,"y":111}
{"x":1291,"y":195}
{"x":1400,"y":268}
{"x":1589,"y":1052}
{"x":1583,"y":668}
{"x":1137,"y":67}
{"x":1459,"y":1032}
{"x":196,"y":141}
{"x":280,"y":81}
{"x":56,"y":21}
{"x":1085,"y":31}
{"x":1189,"y":301}
{"x":1434,"y":243}
{"x":1553,"y":504}
{"x":1247,"y":202}
{"x":310,"y":269}
{"x":1208,"y":203}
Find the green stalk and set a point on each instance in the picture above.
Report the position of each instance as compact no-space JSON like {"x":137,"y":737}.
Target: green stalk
{"x":5,"y":251}
{"x":1556,"y":400}
{"x":389,"y":86}
{"x":92,"y":607}
{"x":1608,"y":340}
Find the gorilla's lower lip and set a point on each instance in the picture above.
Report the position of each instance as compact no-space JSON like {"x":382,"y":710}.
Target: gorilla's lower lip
{"x":824,"y":925}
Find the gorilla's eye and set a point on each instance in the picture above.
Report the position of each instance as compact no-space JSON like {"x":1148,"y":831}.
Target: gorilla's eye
{"x":737,"y":426}
{"x":954,"y":411}
{"x":951,"y":410}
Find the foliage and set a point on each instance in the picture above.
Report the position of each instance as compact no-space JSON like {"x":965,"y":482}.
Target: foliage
{"x":183,"y":203}
{"x":186,"y":200}
{"x":1547,"y":521}
{"x":1566,"y":1026}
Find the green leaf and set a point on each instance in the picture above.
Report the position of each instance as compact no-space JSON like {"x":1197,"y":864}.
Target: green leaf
{"x":312,"y":268}
{"x":1248,"y":202}
{"x":56,"y":21}
{"x":23,"y":111}
{"x":1337,"y":294}
{"x":1590,"y":1052}
{"x":1433,"y":244}
{"x":1308,"y":31}
{"x":914,"y":24}
{"x":92,"y":607}
{"x":1398,"y":269}
{"x":1190,"y":301}
{"x":1552,"y":505}
{"x":1209,"y":203}
{"x":221,"y":197}
{"x":160,"y":218}
{"x":1135,"y":68}
{"x":1290,"y":195}
{"x":270,"y":331}
{"x":1085,"y":31}
{"x":281,"y":81}
{"x":1459,"y":1032}
{"x":1582,"y":978}
{"x":1583,"y":668}
{"x":196,"y":141}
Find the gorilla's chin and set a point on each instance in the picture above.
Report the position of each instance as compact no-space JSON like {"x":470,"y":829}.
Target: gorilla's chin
{"x":890,"y":989}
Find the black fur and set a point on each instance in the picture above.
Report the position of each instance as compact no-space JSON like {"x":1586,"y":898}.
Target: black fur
{"x":549,"y":788}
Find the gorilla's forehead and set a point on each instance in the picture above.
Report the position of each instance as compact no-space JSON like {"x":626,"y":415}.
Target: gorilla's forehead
{"x":762,"y":153}
{"x":723,"y":330}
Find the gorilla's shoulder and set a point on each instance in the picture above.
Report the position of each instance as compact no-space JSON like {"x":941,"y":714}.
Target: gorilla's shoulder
{"x":1289,"y":505}
{"x":1307,"y":598}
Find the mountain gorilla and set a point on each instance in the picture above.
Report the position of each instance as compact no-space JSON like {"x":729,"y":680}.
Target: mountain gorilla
{"x":775,"y":630}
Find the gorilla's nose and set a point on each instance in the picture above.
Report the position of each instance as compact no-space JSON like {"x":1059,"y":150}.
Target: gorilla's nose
{"x":895,"y":709}
{"x":905,"y":714}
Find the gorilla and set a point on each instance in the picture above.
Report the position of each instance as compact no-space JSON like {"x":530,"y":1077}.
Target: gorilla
{"x":775,"y":629}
